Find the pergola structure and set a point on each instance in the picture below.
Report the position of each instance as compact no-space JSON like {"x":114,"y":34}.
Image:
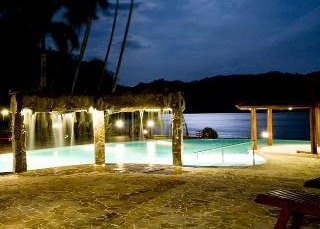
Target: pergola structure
{"x":99,"y":106}
{"x":314,"y":120}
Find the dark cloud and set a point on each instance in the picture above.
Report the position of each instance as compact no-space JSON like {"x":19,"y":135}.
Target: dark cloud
{"x":134,"y":43}
{"x":190,"y":39}
{"x":123,"y":6}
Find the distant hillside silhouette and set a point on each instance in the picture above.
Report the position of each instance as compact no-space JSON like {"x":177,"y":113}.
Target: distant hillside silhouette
{"x":222,"y":93}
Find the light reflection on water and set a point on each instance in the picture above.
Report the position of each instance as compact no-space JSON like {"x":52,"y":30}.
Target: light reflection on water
{"x":196,"y":152}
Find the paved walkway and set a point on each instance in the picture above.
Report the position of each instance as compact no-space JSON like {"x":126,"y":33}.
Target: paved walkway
{"x":138,"y":196}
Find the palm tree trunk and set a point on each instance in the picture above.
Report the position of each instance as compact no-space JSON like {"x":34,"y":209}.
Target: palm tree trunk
{"x":82,"y":51}
{"x":109,"y":45}
{"x":122,"y":48}
{"x":43,"y":63}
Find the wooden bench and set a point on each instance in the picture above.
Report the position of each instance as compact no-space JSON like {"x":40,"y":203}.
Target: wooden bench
{"x":293,"y":204}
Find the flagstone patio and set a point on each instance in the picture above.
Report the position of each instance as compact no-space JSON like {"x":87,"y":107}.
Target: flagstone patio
{"x":141,"y":196}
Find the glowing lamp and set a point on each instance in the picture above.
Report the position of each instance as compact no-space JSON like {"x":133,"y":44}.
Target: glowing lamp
{"x":265,"y":134}
{"x":290,"y":108}
{"x":150,"y":123}
{"x":145,"y":131}
{"x":5,"y":112}
{"x":119,"y":124}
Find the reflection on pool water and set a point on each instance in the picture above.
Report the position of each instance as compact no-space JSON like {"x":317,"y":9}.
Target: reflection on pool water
{"x":196,"y":152}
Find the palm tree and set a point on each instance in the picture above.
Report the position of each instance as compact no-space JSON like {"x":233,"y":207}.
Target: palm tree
{"x":82,"y":12}
{"x":35,"y":19}
{"x":82,"y":51}
{"x":64,"y":38}
{"x":109,"y":45}
{"x":124,"y":41}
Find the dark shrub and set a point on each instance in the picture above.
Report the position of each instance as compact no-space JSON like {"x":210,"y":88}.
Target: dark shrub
{"x":209,"y":132}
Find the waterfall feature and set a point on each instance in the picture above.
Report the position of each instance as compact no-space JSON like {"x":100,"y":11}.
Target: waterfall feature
{"x":29,"y":121}
{"x":141,"y":125}
{"x":165,"y":122}
{"x":62,"y":128}
{"x":68,"y":126}
{"x":57,"y":129}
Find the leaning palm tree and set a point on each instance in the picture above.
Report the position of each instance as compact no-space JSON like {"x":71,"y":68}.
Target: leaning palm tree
{"x":123,"y":45}
{"x":109,"y":45}
{"x":82,"y":51}
{"x":82,"y":12}
{"x":64,"y":38}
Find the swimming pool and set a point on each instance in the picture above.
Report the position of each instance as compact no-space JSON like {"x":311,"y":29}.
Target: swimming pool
{"x":196,"y":152}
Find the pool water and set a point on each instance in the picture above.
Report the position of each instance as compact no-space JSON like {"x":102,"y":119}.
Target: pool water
{"x":196,"y":152}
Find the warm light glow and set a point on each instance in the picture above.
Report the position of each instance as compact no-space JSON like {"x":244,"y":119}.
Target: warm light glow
{"x":56,"y":125}
{"x":150,"y":123}
{"x":91,"y":110}
{"x":5,"y":112}
{"x":145,"y":131}
{"x":157,"y":110}
{"x":265,"y":134}
{"x":26,"y":111}
{"x":290,"y":108}
{"x":152,"y":110}
{"x":119,"y":123}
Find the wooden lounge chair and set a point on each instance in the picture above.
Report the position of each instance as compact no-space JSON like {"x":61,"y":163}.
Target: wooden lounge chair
{"x":314,"y":183}
{"x":293,"y":204}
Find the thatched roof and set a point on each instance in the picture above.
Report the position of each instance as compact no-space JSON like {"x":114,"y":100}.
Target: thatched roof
{"x":115,"y":103}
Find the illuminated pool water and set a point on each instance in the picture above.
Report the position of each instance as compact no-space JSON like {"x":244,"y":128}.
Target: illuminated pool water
{"x":196,"y":152}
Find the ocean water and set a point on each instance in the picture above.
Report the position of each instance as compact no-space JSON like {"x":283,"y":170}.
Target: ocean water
{"x":286,"y":125}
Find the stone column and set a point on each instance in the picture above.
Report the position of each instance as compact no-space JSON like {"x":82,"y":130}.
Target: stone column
{"x":177,"y":137}
{"x":313,"y":132}
{"x":99,"y":137}
{"x":269,"y":127}
{"x":254,"y":128}
{"x":177,"y":106}
{"x":318,"y":124}
{"x":18,"y":135}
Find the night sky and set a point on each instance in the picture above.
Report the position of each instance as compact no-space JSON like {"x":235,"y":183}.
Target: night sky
{"x":191,"y":39}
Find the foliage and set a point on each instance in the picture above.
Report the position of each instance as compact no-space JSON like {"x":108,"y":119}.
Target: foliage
{"x":209,"y":133}
{"x":26,"y":26}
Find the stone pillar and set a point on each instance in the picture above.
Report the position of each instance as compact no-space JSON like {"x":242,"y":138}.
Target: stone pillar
{"x":177,"y":106}
{"x":269,"y":127}
{"x":313,"y":132}
{"x":18,"y":135}
{"x":99,"y":137}
{"x":177,"y":139}
{"x":254,"y":128}
{"x":318,"y":124}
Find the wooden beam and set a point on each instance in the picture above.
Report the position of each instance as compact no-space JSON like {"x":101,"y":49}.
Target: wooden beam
{"x":269,"y":127}
{"x":254,"y":129}
{"x":273,"y":107}
{"x":313,"y":132}
{"x":318,"y":124}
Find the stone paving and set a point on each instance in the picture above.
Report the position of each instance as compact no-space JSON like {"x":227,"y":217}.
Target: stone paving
{"x":141,"y":196}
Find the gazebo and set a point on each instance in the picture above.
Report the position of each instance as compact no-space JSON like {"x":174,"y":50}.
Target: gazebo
{"x":314,"y":119}
{"x":98,"y":106}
